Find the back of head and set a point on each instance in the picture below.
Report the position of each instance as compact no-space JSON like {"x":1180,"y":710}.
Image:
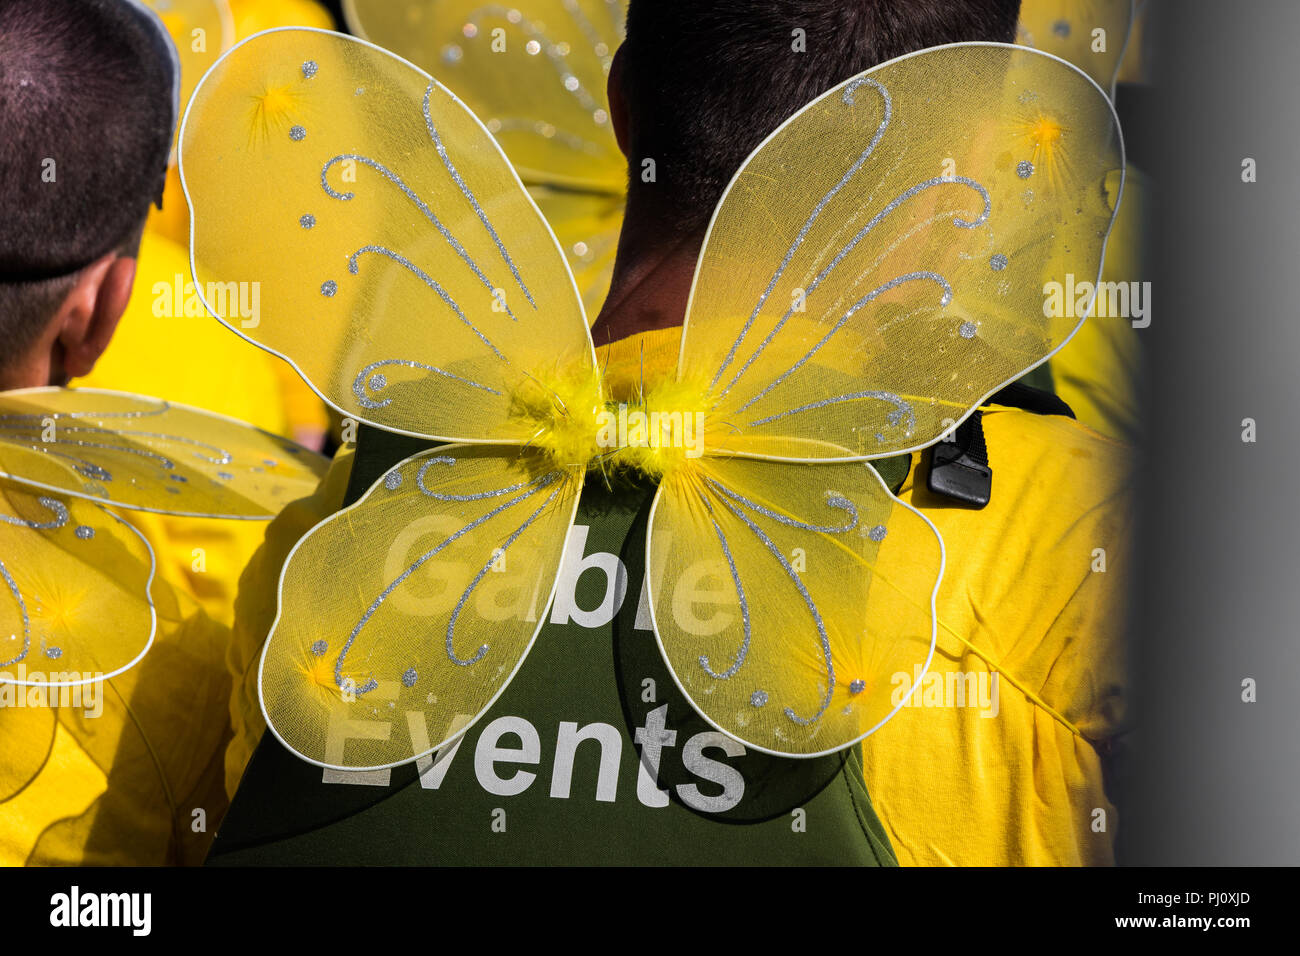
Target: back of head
{"x":87,"y":111}
{"x":706,"y":81}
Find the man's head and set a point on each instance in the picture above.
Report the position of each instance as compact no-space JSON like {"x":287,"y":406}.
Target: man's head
{"x":87,"y":111}
{"x":700,"y":83}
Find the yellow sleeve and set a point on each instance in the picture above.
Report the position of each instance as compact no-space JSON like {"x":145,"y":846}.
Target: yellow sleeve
{"x":995,"y":760}
{"x":256,"y":606}
{"x":127,"y":771}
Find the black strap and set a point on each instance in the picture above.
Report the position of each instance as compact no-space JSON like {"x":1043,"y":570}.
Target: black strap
{"x":959,"y":467}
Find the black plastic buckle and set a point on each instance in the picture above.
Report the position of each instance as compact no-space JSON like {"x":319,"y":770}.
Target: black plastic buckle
{"x":959,"y":468}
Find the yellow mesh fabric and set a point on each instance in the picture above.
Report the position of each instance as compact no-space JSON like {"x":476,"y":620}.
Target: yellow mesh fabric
{"x":536,"y":74}
{"x":1091,"y":34}
{"x":866,"y":292}
{"x":336,"y":131}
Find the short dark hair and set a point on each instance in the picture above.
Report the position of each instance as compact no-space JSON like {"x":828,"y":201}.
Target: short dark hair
{"x":87,"y":111}
{"x":706,"y":81}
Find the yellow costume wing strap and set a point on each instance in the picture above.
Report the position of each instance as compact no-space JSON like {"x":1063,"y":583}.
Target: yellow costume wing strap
{"x":397,"y":260}
{"x":150,"y":455}
{"x":886,"y":259}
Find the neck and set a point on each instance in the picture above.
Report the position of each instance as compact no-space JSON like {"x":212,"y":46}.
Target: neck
{"x":649,"y":288}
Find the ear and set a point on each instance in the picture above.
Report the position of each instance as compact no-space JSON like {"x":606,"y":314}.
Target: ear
{"x":617,"y":104}
{"x":89,"y":315}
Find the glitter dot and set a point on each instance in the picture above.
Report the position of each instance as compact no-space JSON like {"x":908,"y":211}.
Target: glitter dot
{"x":225,"y":475}
{"x":758,"y":698}
{"x":998,"y":262}
{"x":408,"y":678}
{"x":329,"y":287}
{"x":393,"y":480}
{"x":878,"y":533}
{"x":54,"y":653}
{"x":307,"y":221}
{"x":494,"y":125}
{"x":309,"y":69}
{"x":180,"y":478}
{"x":562,"y":49}
{"x":571,"y":83}
{"x":966,"y":330}
{"x":858,"y":686}
{"x":452,"y":53}
{"x":532,"y":48}
{"x":601,"y":117}
{"x":358,"y":91}
{"x":270,"y":462}
{"x":84,"y":531}
{"x":319,"y":648}
{"x":470,"y":30}
{"x":296,"y":133}
{"x":1024,"y":169}
{"x":378,"y":381}
{"x":1061,"y":28}
{"x":514,"y":16}
{"x":579,"y":249}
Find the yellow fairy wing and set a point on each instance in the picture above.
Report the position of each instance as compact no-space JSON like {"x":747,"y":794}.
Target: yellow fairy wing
{"x":396,"y":259}
{"x":536,"y":74}
{"x":201,"y":30}
{"x":150,"y":455}
{"x":1091,"y":34}
{"x":782,"y":604}
{"x":74,"y":591}
{"x":450,"y":563}
{"x":534,"y":71}
{"x":882,"y":263}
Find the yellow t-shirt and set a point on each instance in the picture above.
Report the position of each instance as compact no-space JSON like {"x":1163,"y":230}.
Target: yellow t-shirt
{"x":950,"y":785}
{"x":130,"y":775}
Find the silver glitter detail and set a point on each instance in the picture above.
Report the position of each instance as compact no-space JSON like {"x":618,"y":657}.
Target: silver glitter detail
{"x":84,"y":531}
{"x":743,"y":652}
{"x":409,"y":677}
{"x":307,"y":220}
{"x":832,"y":499}
{"x":319,"y":648}
{"x":393,"y":480}
{"x":1061,"y":28}
{"x":475,"y":496}
{"x":967,"y":330}
{"x":812,"y":609}
{"x":877,"y":534}
{"x":857,"y":686}
{"x":419,"y":562}
{"x":22,"y":610}
{"x":452,"y":53}
{"x":420,"y":274}
{"x":817,"y":211}
{"x":893,"y":283}
{"x":839,"y":257}
{"x":902,"y":413}
{"x":998,"y":262}
{"x":1024,"y":169}
{"x":54,"y":653}
{"x":225,"y":475}
{"x":419,"y":204}
{"x":377,"y":381}
{"x":460,"y":605}
{"x":180,"y":478}
{"x":758,"y":698}
{"x":469,"y":196}
{"x":358,"y":388}
{"x":296,"y":133}
{"x":309,"y":69}
{"x":328,"y":288}
{"x":55,"y":507}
